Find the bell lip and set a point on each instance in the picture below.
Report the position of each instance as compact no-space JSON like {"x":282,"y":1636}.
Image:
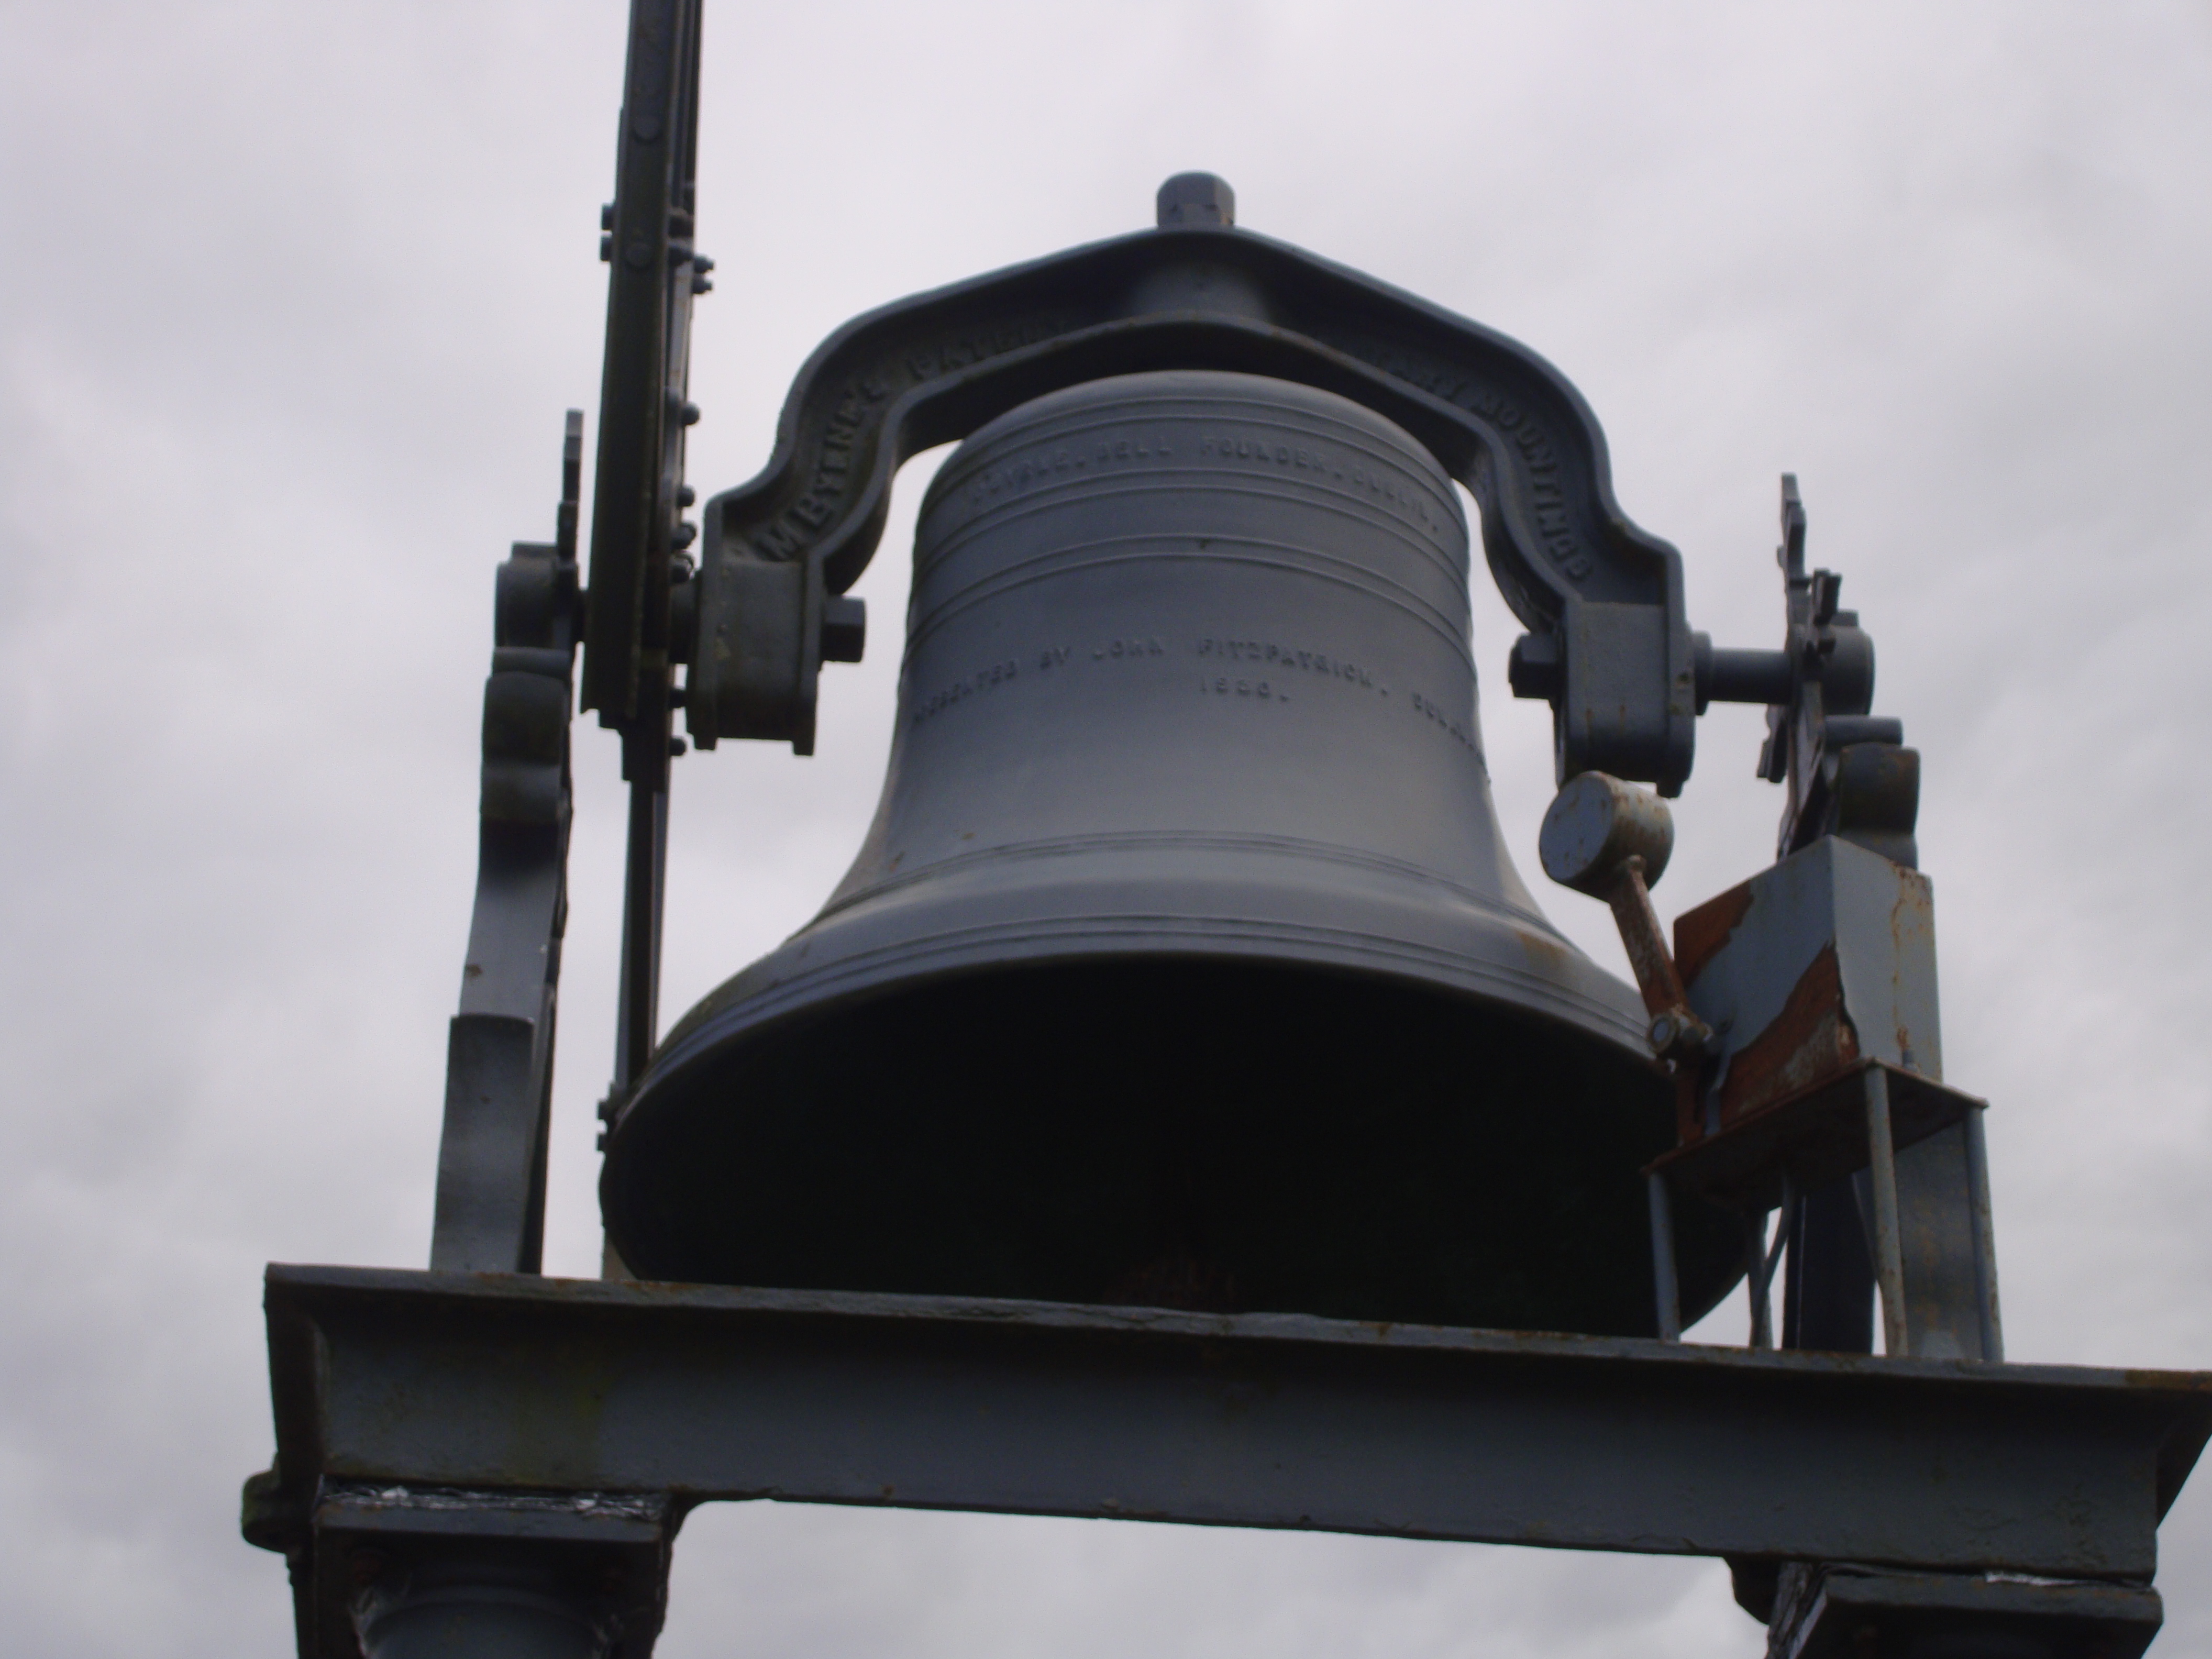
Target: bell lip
{"x":669,"y":1067}
{"x":1050,"y":943}
{"x":789,"y":1003}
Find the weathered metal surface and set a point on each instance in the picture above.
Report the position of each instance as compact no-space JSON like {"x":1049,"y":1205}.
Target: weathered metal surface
{"x":1847,"y":774}
{"x":1611,"y":841}
{"x":1839,"y":1612}
{"x":481,"y":1382}
{"x":653,"y":269}
{"x":1820,"y":962}
{"x":1183,"y":957}
{"x":639,"y":535}
{"x":1611,"y":650}
{"x":392,"y":1571}
{"x":499,"y":1067}
{"x":1809,"y":1139}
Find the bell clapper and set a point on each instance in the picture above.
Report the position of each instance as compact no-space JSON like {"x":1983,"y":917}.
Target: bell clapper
{"x":1611,"y":841}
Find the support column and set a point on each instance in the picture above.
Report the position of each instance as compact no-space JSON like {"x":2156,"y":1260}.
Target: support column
{"x":1835,"y":1611}
{"x":481,"y":1603}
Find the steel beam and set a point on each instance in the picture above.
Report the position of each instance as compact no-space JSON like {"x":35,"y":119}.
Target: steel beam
{"x":500,"y":1383}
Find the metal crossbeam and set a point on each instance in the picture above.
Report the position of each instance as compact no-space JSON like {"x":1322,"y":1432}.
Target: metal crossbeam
{"x":491,"y":1383}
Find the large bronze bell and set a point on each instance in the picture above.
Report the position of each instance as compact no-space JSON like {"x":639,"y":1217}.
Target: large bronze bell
{"x":1183,"y":964}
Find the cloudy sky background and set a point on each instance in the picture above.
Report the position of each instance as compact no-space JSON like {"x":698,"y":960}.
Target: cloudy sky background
{"x":291,"y":302}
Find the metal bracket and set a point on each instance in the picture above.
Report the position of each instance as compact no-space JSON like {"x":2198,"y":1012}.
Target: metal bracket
{"x":1848,"y":775}
{"x":490,"y":1214}
{"x":1841,"y":1611}
{"x":1611,"y":649}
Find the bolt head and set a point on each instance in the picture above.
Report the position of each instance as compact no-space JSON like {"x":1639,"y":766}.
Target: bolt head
{"x":1197,"y":198}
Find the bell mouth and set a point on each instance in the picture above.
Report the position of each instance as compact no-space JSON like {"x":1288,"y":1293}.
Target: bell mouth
{"x":1213,"y":1133}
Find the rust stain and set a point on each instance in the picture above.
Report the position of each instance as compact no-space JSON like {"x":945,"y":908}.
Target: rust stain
{"x":1811,"y":1039}
{"x":1700,"y":933}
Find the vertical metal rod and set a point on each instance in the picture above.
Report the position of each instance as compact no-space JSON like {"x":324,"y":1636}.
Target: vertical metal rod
{"x":1765,"y":1258}
{"x":1755,"y":1280}
{"x":1888,"y":1242}
{"x":1665,"y":1292}
{"x":645,"y":883}
{"x":1986,"y":1237}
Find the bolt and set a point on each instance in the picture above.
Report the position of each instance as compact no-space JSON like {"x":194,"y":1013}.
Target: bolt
{"x":1196,"y":199}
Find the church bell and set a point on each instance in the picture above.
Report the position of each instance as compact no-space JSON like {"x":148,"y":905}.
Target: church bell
{"x":1183,"y":964}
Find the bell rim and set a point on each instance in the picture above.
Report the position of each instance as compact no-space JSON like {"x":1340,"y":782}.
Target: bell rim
{"x":1182,"y":938}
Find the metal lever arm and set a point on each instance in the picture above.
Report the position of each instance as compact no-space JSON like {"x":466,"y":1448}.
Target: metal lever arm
{"x":1603,"y":838}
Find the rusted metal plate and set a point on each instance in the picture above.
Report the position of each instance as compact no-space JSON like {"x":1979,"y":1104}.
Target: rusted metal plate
{"x":1817,"y":1135}
{"x":1813,"y":967}
{"x":496,"y":1384}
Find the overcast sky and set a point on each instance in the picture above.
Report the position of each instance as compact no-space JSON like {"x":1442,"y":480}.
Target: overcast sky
{"x":292,"y":298}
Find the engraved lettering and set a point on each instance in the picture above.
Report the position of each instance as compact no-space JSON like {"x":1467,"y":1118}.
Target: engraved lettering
{"x":779,"y":540}
{"x":1456,"y":730}
{"x":983,"y":679}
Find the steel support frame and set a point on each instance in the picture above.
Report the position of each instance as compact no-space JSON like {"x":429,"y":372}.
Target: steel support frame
{"x":584,"y":1418}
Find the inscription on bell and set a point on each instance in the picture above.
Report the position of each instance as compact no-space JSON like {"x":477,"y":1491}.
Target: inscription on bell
{"x":1054,"y":461}
{"x":1455,"y":729}
{"x":1151,"y":647}
{"x":1380,"y":483}
{"x":1224,"y":685}
{"x":1288,"y":658}
{"x":967,"y":685}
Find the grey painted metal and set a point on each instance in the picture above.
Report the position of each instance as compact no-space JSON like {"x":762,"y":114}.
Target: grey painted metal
{"x":1611,"y":650}
{"x":1667,"y":1290}
{"x":476,"y":1382}
{"x":392,"y":1571}
{"x":1245,"y":601}
{"x":1853,"y":1612}
{"x":639,"y":564}
{"x":1189,"y":699}
{"x":489,"y":1212}
{"x":1611,"y":841}
{"x":1845,"y":773}
{"x":1833,"y":911}
{"x":1949,"y":1290}
{"x":1821,"y":964}
{"x":1888,"y":1242}
{"x":477,"y":1603}
{"x":1986,"y":1237}
{"x":1594,"y":825}
{"x":1196,"y":199}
